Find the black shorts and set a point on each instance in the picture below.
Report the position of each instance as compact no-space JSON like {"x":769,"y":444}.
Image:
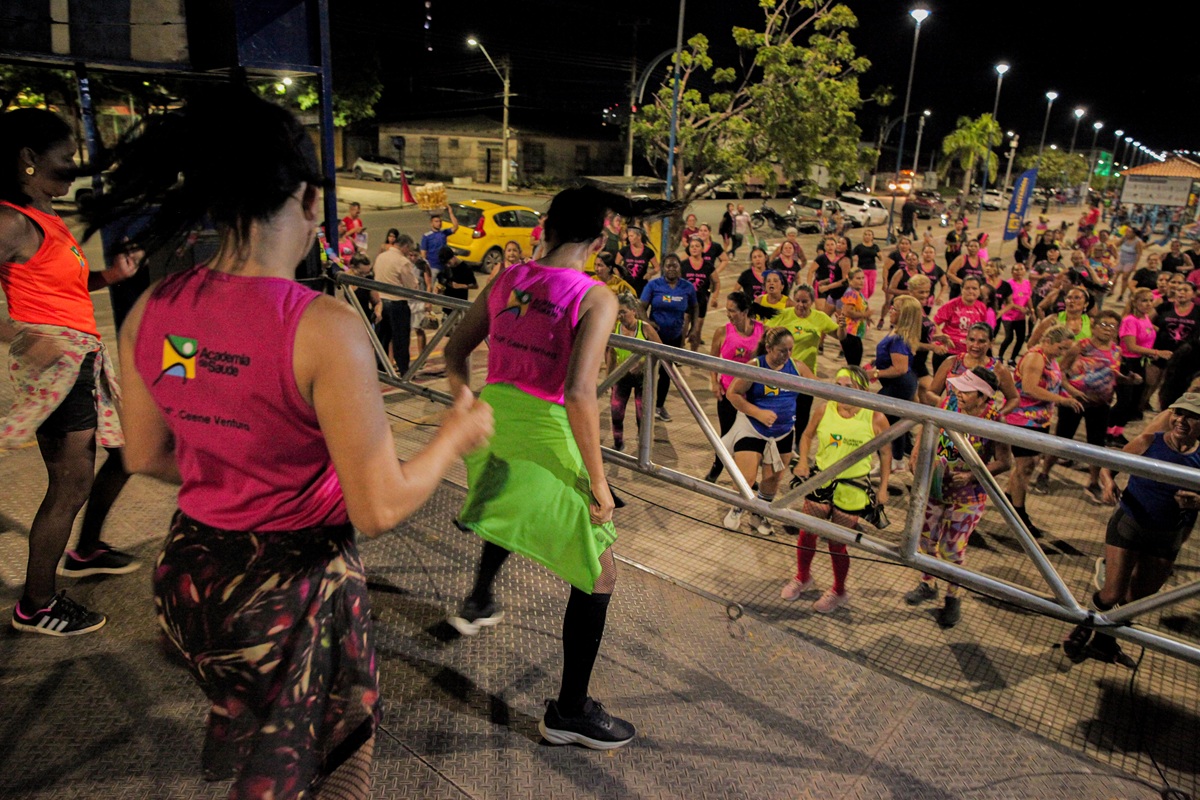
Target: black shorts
{"x":77,"y":412}
{"x":702,"y":305}
{"x":1022,"y":452}
{"x":1160,"y":541}
{"x":752,"y":444}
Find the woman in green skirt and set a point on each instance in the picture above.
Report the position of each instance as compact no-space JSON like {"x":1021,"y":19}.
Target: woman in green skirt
{"x":539,"y":488}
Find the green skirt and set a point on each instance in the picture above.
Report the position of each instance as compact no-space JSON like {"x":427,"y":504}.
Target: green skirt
{"x":529,"y":492}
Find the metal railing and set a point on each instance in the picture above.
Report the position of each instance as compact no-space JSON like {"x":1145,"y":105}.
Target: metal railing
{"x":1058,"y":602}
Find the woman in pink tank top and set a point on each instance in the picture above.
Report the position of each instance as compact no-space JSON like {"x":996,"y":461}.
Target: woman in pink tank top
{"x":539,"y":488}
{"x":274,"y":428}
{"x":737,"y":341}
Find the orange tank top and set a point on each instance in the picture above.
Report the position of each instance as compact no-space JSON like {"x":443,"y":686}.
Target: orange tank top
{"x":52,"y":287}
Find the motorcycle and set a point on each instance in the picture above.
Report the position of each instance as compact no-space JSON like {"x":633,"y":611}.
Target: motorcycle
{"x":769,"y":216}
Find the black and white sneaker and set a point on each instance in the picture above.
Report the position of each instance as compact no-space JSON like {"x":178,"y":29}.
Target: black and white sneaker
{"x":472,"y":617}
{"x":62,"y":616}
{"x":105,"y":560}
{"x":661,"y":414}
{"x":594,"y":728}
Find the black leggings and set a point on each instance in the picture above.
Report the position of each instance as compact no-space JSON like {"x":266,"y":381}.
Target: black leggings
{"x":1129,"y":395}
{"x":1014,"y":329}
{"x":852,"y":349}
{"x":664,"y":382}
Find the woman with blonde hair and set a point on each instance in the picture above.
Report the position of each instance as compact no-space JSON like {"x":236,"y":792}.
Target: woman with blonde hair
{"x":631,"y":323}
{"x":894,"y":358}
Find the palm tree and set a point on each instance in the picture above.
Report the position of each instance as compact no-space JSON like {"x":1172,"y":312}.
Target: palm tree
{"x":968,"y":144}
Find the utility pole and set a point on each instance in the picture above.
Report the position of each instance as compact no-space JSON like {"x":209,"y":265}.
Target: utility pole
{"x":633,"y":87}
{"x":504,"y":134}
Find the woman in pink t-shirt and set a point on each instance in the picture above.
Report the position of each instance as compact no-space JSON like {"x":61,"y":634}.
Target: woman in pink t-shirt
{"x":958,"y":315}
{"x":1137,"y":334}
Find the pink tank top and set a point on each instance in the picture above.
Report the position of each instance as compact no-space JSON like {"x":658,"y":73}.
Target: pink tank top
{"x":215,"y":351}
{"x":533,"y":311}
{"x":739,"y":348}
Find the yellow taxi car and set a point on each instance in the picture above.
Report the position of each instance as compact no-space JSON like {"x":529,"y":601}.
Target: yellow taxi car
{"x":485,"y":226}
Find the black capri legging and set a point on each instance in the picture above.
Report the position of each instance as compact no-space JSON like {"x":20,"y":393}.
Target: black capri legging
{"x":1094,"y":418}
{"x":1014,"y":331}
{"x":1129,"y":395}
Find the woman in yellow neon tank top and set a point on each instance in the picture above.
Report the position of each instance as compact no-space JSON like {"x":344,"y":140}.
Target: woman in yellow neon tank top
{"x":629,"y":323}
{"x":835,"y":430}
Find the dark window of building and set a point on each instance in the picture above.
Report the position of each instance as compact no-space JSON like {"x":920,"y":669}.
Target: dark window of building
{"x":535,"y":158}
{"x":452,"y":144}
{"x":583,"y":159}
{"x":429,"y":153}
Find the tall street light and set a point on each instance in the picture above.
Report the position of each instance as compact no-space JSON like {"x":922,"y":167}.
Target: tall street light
{"x":1012,"y":156}
{"x":1079,"y":112}
{"x":917,"y":152}
{"x":1087,"y":184}
{"x":1126,"y":152}
{"x":1001,"y":68}
{"x":666,"y":225}
{"x":473,"y":42}
{"x":1050,"y":98}
{"x":920,"y":15}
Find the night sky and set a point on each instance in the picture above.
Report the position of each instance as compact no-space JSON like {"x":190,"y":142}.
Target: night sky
{"x":1138,"y":72}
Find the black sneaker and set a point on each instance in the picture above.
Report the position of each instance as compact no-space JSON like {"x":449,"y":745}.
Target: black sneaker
{"x":105,"y":560}
{"x":1075,"y":646}
{"x":1106,"y":649}
{"x":594,"y":728}
{"x":951,"y":612}
{"x":923,"y":592}
{"x":62,"y":616}
{"x":661,"y":414}
{"x":471,"y":617}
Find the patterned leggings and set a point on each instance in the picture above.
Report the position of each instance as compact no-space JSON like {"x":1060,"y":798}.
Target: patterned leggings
{"x":620,"y":400}
{"x":947,"y":529}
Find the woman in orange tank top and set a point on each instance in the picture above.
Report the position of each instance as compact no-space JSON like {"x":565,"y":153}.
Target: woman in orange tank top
{"x":65,"y":395}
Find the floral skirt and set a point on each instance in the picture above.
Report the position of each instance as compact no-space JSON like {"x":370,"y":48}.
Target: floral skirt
{"x":274,"y":626}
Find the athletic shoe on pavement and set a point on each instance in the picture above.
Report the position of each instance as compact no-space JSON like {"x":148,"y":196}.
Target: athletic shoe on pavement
{"x":62,"y":616}
{"x":924,"y":592}
{"x":661,"y":414}
{"x":1094,"y":494}
{"x":104,"y":560}
{"x":761,"y":525}
{"x":1075,"y":646}
{"x":733,"y":520}
{"x":594,"y":728}
{"x":830,"y":601}
{"x":951,"y":612}
{"x":1099,"y":573}
{"x":472,"y":617}
{"x":1041,"y":485}
{"x":794,"y":588}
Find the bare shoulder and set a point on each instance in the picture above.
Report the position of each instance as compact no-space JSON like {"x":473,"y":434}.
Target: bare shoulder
{"x":15,"y":231}
{"x":328,"y":324}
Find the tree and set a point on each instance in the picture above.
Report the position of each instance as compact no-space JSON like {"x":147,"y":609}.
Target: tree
{"x":788,"y":106}
{"x":1058,"y":168}
{"x":969,"y":144}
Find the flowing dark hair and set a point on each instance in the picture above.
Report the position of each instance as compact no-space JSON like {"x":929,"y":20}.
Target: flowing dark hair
{"x":33,"y":128}
{"x":577,"y":215}
{"x":228,"y":157}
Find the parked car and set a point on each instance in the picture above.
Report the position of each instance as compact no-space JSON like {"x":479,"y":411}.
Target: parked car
{"x":381,"y":168}
{"x":862,"y":210}
{"x":929,"y":204}
{"x":994,"y":200}
{"x":80,"y":192}
{"x":485,"y":226}
{"x":805,"y":207}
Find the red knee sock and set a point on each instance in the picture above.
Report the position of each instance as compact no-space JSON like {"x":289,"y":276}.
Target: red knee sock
{"x":841,"y":566}
{"x":806,"y":548}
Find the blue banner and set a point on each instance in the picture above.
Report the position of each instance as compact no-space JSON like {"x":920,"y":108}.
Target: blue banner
{"x":1018,"y":207}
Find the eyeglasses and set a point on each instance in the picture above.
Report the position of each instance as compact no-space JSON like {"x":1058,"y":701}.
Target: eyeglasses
{"x":1106,"y":324}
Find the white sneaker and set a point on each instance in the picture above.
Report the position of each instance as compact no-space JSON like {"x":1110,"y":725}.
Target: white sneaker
{"x":762,"y":525}
{"x":830,"y":601}
{"x":733,"y":520}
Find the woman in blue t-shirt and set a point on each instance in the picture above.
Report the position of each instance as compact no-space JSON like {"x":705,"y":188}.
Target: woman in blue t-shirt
{"x":670,"y":303}
{"x":765,"y":426}
{"x":1147,"y":529}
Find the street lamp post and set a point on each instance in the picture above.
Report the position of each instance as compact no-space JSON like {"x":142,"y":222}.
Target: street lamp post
{"x":636,"y":93}
{"x":1079,"y":112}
{"x":504,"y":77}
{"x":1050,"y":98}
{"x":1125,"y":152}
{"x":917,"y":152}
{"x":666,"y":226}
{"x":1001,"y":68}
{"x":1096,"y":126}
{"x":920,"y":15}
{"x":1012,"y":154}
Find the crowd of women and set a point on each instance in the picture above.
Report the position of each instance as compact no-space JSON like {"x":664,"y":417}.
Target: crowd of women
{"x":1028,"y":342}
{"x":259,"y":588}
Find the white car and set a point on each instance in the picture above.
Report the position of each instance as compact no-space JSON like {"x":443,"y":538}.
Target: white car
{"x":862,"y":210}
{"x":381,"y":168}
{"x":995,"y":200}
